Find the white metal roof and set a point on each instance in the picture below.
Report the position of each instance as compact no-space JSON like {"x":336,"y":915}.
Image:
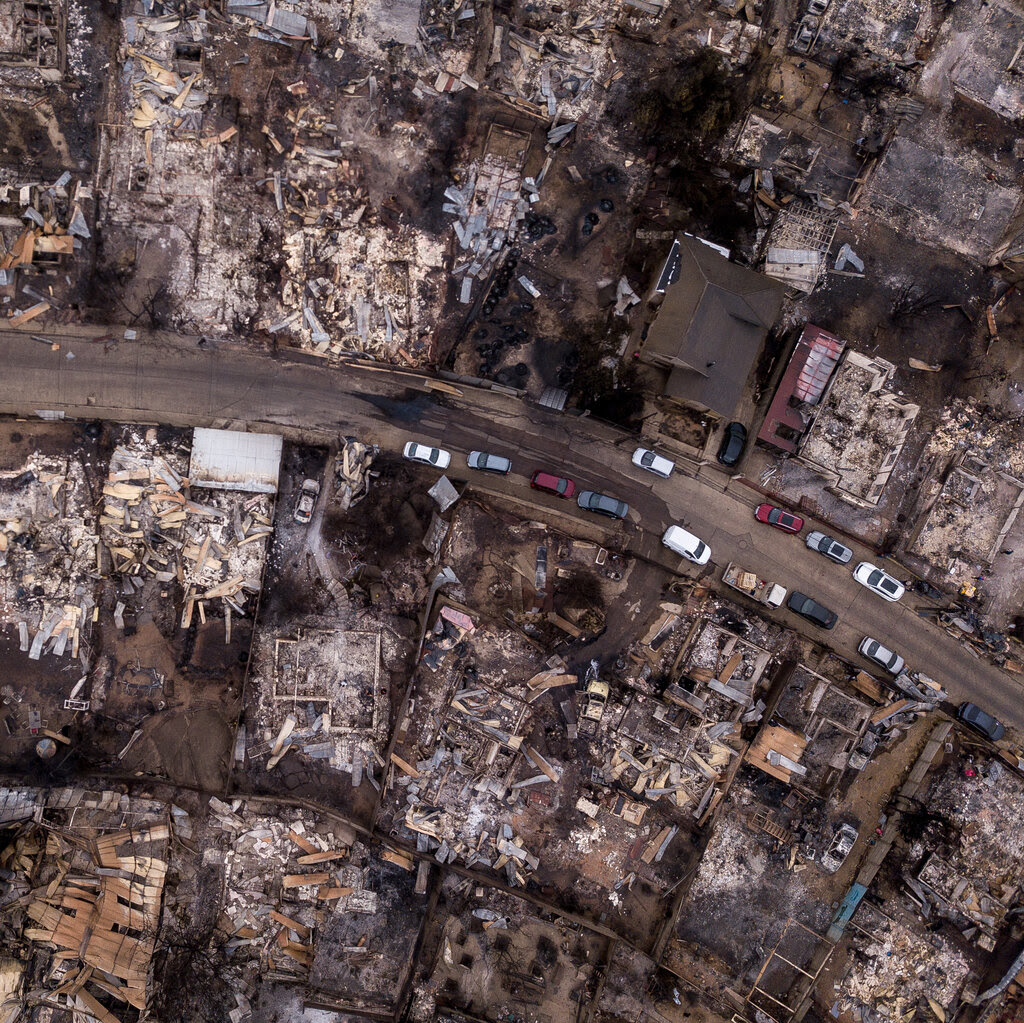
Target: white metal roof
{"x":230,"y":460}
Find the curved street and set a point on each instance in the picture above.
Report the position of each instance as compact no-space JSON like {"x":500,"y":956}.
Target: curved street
{"x":169,"y":379}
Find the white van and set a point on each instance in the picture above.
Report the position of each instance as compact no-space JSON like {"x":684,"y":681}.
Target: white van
{"x":689,"y":546}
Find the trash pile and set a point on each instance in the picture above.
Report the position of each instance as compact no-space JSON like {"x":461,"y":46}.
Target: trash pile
{"x":154,"y":529}
{"x":284,"y":876}
{"x":557,"y":69}
{"x":453,"y":834}
{"x":53,"y":227}
{"x":358,"y":280}
{"x":321,"y":693}
{"x":974,"y":880}
{"x":92,"y":896}
{"x":687,"y":773}
{"x":48,"y":553}
{"x":492,"y":203}
{"x":561,"y":62}
{"x":165,"y":71}
{"x":163,"y":98}
{"x":360,"y":287}
{"x":272,"y":23}
{"x":454,"y":801}
{"x":352,"y":472}
{"x":878,"y":982}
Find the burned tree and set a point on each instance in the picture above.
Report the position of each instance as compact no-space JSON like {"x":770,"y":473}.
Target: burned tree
{"x":195,"y":975}
{"x":581,"y":589}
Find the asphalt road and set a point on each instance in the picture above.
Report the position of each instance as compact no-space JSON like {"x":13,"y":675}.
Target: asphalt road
{"x":172,"y":380}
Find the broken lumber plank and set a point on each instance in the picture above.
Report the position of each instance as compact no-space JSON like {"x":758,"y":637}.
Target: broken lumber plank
{"x":322,"y":857}
{"x":94,"y":1008}
{"x":29,"y":314}
{"x":541,"y":764}
{"x":254,"y":536}
{"x":890,"y":710}
{"x":404,"y":765}
{"x":563,"y":624}
{"x":729,"y":670}
{"x":399,"y":859}
{"x":871,"y":687}
{"x":329,"y":894}
{"x":703,"y":766}
{"x":298,"y":880}
{"x":299,"y":953}
{"x":300,"y":929}
{"x":304,"y":844}
{"x":228,"y":588}
{"x":654,"y":845}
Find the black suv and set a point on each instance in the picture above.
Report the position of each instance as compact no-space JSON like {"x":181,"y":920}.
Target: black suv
{"x":731,"y":448}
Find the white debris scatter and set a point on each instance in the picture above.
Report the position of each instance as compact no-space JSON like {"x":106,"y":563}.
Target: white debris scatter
{"x":896,"y":968}
{"x":47,"y":543}
{"x":79,"y":28}
{"x":987,"y":813}
{"x":584,"y":838}
{"x":732,"y":861}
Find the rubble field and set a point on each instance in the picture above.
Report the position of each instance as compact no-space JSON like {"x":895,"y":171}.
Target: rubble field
{"x":294,"y":728}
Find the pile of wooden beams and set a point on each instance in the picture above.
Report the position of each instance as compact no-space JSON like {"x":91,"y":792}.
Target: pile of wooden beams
{"x":100,"y":912}
{"x":153,"y":527}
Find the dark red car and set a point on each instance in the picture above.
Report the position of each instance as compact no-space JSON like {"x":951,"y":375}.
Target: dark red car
{"x":557,"y":485}
{"x":784,"y":520}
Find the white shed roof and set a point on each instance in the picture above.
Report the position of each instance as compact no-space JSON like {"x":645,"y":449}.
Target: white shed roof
{"x":230,"y":460}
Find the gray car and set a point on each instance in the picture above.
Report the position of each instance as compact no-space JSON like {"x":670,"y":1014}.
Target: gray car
{"x":830,"y":548}
{"x":486,"y":462}
{"x":590,"y":500}
{"x":881,"y":655}
{"x":971,"y":714}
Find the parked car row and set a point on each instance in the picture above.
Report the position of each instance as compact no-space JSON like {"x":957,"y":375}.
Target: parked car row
{"x":693,"y":548}
{"x":559,"y":486}
{"x":874,"y":578}
{"x":878,"y":581}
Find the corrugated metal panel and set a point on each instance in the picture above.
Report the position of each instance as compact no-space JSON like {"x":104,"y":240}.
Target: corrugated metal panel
{"x":231,"y":460}
{"x":821,"y":361}
{"x":554,"y":398}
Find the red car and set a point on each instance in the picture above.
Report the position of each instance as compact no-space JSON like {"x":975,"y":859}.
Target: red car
{"x":557,"y":485}
{"x":784,"y":520}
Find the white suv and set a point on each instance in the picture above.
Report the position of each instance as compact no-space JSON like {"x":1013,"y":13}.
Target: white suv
{"x":878,"y":581}
{"x":652,"y":462}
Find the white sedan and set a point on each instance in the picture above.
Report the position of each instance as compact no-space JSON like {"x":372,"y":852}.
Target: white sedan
{"x":878,"y":581}
{"x":647,"y":459}
{"x":437,"y":457}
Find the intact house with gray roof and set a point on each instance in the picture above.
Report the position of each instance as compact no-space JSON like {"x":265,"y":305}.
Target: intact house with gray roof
{"x":711,"y":319}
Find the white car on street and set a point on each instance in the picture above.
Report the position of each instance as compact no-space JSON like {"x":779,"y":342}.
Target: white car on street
{"x":878,"y":581}
{"x":436,"y":457}
{"x":652,"y":462}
